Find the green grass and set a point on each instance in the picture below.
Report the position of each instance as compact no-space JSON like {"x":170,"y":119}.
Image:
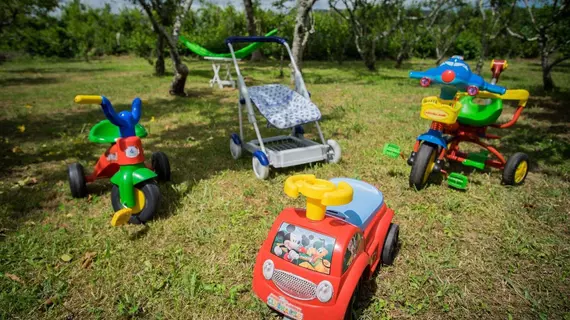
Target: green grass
{"x":491,"y":252}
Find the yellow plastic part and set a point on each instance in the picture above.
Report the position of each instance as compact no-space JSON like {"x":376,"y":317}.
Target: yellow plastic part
{"x":429,"y":167}
{"x":84,"y":99}
{"x":436,"y":109}
{"x":139,"y":201}
{"x":121,"y":217}
{"x":520,"y":173}
{"x":320,"y":193}
{"x":514,"y":94}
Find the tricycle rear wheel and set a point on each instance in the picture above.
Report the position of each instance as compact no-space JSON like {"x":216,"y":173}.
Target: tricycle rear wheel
{"x":151,"y":194}
{"x":161,"y":166}
{"x":77,"y":183}
{"x":516,"y":169}
{"x":423,"y":165}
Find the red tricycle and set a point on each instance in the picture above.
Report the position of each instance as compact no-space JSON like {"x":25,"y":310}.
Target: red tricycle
{"x":314,"y":260}
{"x":123,"y":162}
{"x":466,"y":107}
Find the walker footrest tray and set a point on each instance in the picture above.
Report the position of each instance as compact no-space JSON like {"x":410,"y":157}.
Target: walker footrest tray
{"x":287,"y":151}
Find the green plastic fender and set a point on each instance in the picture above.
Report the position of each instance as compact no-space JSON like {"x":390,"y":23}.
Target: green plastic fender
{"x":127,"y":178}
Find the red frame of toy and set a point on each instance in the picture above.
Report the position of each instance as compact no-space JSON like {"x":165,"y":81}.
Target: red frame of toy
{"x":364,"y":264}
{"x":105,"y":168}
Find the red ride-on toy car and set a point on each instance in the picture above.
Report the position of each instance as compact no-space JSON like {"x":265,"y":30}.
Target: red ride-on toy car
{"x":105,"y":132}
{"x":313,"y":260}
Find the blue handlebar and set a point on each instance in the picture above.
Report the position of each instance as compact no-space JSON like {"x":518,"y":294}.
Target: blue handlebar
{"x":493,"y":88}
{"x":237,"y":39}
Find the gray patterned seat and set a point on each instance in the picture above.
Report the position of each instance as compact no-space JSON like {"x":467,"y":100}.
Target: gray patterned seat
{"x":283,"y":107}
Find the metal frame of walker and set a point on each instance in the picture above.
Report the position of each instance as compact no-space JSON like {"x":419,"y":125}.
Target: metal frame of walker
{"x":284,"y":150}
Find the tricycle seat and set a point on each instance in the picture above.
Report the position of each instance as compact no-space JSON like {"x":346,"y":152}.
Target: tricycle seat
{"x":106,"y":132}
{"x":479,"y":115}
{"x":365,"y":203}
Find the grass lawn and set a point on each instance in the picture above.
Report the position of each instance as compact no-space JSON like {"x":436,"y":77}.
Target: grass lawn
{"x":491,"y":252}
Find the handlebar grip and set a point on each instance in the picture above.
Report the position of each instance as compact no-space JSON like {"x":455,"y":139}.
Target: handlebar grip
{"x":416,"y":74}
{"x":85,"y":99}
{"x":493,"y":88}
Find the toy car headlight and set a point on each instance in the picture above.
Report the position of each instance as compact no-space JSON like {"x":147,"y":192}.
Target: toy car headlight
{"x":268,"y":268}
{"x":324,"y":291}
{"x":472,"y":90}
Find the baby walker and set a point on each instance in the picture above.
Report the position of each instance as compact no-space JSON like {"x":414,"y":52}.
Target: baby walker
{"x":456,"y":117}
{"x":283,"y":108}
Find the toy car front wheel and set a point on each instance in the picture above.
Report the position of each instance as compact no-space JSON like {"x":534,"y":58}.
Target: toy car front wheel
{"x":351,"y":309}
{"x":390,"y":244}
{"x":334,"y":153}
{"x":516,"y":169}
{"x":423,"y":165}
{"x":161,"y":166}
{"x":77,"y":182}
{"x":147,"y":197}
{"x":261,"y":171}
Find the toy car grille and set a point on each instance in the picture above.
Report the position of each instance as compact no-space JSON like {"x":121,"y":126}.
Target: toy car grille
{"x":294,"y":286}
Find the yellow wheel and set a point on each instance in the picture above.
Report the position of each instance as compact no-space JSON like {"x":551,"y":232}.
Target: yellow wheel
{"x":423,"y":165}
{"x":516,"y":169}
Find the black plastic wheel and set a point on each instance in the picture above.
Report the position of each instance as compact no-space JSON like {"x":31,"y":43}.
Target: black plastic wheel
{"x":390,"y":244}
{"x":161,"y":166}
{"x":516,"y":169}
{"x":152,"y":199}
{"x":423,"y":165}
{"x":77,"y":182}
{"x":350,"y":313}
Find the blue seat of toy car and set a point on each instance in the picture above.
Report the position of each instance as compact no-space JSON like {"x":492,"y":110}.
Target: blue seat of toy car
{"x":282,"y":107}
{"x":366,"y":201}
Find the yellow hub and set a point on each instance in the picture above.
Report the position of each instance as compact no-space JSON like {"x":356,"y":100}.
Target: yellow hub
{"x":521,"y":171}
{"x":429,"y":168}
{"x":140,"y":201}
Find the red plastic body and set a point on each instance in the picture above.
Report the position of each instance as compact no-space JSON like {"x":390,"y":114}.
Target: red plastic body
{"x":367,"y":259}
{"x":110,"y":161}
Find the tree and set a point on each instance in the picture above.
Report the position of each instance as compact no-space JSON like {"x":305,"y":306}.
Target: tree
{"x":304,"y":26}
{"x":180,"y":69}
{"x":548,"y":28}
{"x":251,"y":28}
{"x":14,"y":12}
{"x":370,"y":21}
{"x":495,"y":18}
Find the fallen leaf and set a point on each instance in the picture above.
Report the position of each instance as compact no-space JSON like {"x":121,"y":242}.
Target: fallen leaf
{"x":28,"y":106}
{"x":152,"y":119}
{"x":66,"y":257}
{"x":88,"y":259}
{"x":22,"y":128}
{"x":14,"y":277}
{"x":49,"y":302}
{"x":89,"y":197}
{"x":16,"y":149}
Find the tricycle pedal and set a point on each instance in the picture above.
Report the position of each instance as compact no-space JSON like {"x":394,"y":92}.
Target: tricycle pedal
{"x":391,"y":150}
{"x":457,"y":181}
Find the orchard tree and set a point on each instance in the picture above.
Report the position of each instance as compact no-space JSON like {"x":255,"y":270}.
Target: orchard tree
{"x":304,"y":27}
{"x":151,"y":8}
{"x":550,"y":27}
{"x":371,"y":21}
{"x":251,"y":26}
{"x":13,"y":13}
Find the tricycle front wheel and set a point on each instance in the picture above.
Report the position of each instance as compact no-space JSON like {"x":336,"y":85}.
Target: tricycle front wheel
{"x":423,"y":165}
{"x":147,"y":195}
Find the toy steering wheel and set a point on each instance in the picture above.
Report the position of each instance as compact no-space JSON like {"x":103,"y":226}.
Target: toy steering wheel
{"x":320,"y":193}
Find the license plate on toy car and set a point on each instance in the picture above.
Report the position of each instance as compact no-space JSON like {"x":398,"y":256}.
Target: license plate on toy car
{"x":283,"y":306}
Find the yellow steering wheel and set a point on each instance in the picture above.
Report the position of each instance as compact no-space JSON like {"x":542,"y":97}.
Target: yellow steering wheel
{"x":320,"y":193}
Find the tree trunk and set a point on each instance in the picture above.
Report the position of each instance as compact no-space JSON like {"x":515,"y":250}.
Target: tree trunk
{"x":251,"y":30}
{"x":547,"y":82}
{"x":159,"y":68}
{"x":366,"y":47}
{"x":484,"y":39}
{"x":302,"y":30}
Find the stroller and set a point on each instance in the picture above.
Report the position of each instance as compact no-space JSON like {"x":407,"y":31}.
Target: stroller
{"x":283,"y":108}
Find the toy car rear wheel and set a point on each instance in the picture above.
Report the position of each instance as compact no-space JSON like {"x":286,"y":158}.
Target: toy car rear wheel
{"x":161,"y":166}
{"x":350,"y":313}
{"x":516,"y":169}
{"x":334,"y":153}
{"x":150,"y":195}
{"x":423,"y":165}
{"x":390,"y":244}
{"x":77,"y":183}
